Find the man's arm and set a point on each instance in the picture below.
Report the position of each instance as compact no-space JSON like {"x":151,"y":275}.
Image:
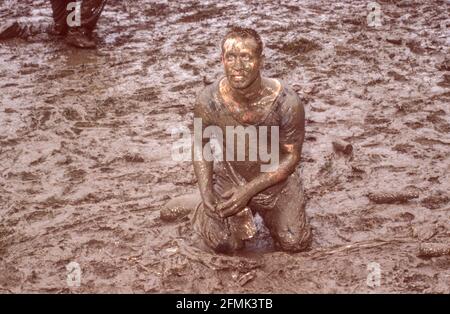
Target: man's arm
{"x":203,"y":168}
{"x":291,"y":142}
{"x":290,"y":157}
{"x":293,"y":133}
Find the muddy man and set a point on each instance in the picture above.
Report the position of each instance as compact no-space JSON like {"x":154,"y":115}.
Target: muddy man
{"x":77,"y":35}
{"x":233,"y":189}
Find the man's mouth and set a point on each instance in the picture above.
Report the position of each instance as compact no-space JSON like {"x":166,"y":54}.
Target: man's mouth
{"x":238,"y":77}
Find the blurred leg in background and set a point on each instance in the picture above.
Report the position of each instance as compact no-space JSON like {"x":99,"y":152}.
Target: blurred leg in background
{"x":79,"y":35}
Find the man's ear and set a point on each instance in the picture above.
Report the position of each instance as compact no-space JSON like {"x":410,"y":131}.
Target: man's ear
{"x":262,"y":61}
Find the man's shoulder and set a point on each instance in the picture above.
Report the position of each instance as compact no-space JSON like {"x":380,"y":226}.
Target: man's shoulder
{"x":290,"y":97}
{"x":290,"y":93}
{"x":206,"y":105}
{"x":207,"y":93}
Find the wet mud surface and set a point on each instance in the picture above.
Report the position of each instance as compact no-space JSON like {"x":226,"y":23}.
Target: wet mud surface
{"x":85,"y":146}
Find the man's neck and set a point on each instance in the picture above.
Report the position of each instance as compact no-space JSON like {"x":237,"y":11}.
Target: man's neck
{"x":247,"y":95}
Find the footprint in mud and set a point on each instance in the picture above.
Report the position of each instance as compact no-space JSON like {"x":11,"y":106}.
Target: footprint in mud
{"x":10,"y":277}
{"x":182,"y":87}
{"x":76,"y":174}
{"x":418,"y":282}
{"x":133,"y":157}
{"x":372,"y":119}
{"x":59,"y":74}
{"x":436,"y":201}
{"x":404,"y":148}
{"x":438,"y":121}
{"x":397,"y":76}
{"x":103,"y":269}
{"x":299,"y":50}
{"x":38,"y":215}
{"x":369,"y":223}
{"x":414,"y":125}
{"x":146,"y":94}
{"x":201,"y":14}
{"x":71,"y":114}
{"x":40,"y":117}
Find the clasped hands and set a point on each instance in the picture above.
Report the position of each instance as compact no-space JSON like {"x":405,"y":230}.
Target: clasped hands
{"x":235,"y":201}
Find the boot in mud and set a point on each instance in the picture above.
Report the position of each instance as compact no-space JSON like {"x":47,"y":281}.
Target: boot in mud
{"x":80,"y":39}
{"x":180,"y":207}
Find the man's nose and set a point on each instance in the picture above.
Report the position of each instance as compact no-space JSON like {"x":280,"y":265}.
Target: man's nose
{"x":238,"y":65}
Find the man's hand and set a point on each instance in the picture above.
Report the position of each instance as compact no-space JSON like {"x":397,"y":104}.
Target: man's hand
{"x":237,"y":199}
{"x":209,"y":204}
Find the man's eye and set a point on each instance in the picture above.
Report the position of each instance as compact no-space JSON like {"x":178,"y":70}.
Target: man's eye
{"x":246,"y":58}
{"x":230,"y":58}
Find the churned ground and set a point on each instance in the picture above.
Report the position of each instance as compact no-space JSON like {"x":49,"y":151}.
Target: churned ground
{"x":85,"y":147}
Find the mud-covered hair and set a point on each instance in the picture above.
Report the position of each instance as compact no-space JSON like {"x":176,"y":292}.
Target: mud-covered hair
{"x":243,"y":32}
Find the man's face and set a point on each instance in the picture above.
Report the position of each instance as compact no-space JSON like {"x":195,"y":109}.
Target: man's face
{"x":241,"y":61}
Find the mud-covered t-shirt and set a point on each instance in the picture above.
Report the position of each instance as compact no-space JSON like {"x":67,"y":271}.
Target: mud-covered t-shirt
{"x":286,"y":112}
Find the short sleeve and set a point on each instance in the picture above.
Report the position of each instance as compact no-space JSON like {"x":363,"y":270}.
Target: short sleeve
{"x":292,"y":120}
{"x":202,"y":108}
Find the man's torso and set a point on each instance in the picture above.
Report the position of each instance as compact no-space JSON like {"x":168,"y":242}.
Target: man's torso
{"x":215,"y":112}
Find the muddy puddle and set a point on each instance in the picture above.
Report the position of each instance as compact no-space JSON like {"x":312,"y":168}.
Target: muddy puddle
{"x":85,"y":146}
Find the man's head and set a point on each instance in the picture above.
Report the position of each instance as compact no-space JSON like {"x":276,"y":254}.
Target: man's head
{"x":242,"y":56}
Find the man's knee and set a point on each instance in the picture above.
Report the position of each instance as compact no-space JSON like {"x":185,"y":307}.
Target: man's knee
{"x":294,"y":241}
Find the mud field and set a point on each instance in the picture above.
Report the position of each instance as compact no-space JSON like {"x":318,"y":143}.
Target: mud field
{"x":85,"y":155}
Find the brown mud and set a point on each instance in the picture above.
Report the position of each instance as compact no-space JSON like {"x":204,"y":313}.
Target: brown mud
{"x":85,"y":147}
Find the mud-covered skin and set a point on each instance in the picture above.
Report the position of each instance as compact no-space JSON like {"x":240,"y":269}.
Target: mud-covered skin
{"x":244,"y":98}
{"x":282,"y":210}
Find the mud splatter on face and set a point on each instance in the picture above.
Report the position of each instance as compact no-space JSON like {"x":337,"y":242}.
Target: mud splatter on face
{"x":241,"y":61}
